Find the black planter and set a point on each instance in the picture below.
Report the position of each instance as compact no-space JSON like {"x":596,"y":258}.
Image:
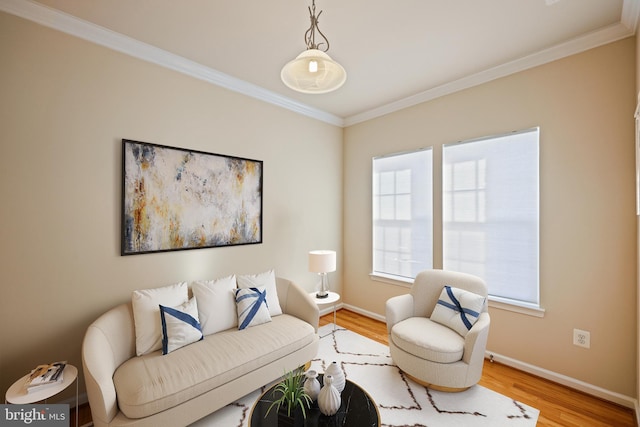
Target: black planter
{"x":296,"y":419}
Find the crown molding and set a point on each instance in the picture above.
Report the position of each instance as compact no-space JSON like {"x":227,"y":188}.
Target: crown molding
{"x":74,"y":26}
{"x":592,"y":40}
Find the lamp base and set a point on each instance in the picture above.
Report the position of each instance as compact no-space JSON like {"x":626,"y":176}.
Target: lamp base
{"x":324,"y":287}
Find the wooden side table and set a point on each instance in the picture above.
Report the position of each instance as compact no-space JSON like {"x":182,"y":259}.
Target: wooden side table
{"x":17,"y":393}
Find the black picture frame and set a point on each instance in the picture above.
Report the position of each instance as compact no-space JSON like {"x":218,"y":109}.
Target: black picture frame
{"x":178,"y":199}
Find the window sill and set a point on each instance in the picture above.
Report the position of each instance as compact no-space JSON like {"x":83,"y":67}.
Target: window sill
{"x":494,"y":302}
{"x":516,"y":306}
{"x":392,"y":280}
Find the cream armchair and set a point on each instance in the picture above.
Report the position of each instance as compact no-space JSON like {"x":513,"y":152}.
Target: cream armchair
{"x":427,"y":351}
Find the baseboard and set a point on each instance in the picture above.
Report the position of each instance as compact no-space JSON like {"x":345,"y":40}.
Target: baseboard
{"x":329,"y":308}
{"x":366,"y":313}
{"x":564,"y":380}
{"x":82,"y":399}
{"x":611,"y":396}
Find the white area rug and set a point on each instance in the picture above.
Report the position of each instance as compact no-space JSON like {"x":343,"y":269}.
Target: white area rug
{"x":401,"y":402}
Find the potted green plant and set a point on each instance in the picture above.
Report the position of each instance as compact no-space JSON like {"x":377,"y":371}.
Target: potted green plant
{"x":293,"y":398}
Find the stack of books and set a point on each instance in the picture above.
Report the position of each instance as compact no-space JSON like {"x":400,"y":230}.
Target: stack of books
{"x":44,"y":376}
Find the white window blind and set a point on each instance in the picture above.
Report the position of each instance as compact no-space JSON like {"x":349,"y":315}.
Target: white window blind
{"x":402,"y":213}
{"x":491,"y":212}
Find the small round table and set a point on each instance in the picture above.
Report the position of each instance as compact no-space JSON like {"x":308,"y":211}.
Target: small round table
{"x":17,"y":393}
{"x":332,"y":298}
{"x":357,"y":409}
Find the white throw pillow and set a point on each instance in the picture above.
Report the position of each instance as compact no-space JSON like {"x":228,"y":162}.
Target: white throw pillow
{"x":146,"y":312}
{"x":216,"y":304}
{"x":268,"y":280}
{"x":252,"y":307}
{"x":180,"y":326}
{"x":458,"y":309}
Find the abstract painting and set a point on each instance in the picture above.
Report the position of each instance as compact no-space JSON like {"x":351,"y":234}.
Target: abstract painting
{"x":176,"y":199}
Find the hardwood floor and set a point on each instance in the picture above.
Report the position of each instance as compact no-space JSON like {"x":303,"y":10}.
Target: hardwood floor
{"x":558,"y":405}
{"x":84,"y":416}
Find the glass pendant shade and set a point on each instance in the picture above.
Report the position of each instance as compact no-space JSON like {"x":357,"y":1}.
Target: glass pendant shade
{"x":313,"y":71}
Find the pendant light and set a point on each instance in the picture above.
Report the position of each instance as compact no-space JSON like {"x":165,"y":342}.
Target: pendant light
{"x":313,"y":71}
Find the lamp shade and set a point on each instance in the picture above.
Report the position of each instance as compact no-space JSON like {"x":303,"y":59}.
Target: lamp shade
{"x":313,"y":71}
{"x":322,"y":261}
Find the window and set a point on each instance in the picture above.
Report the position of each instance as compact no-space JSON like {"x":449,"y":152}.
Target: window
{"x":402,"y":214}
{"x":491,"y":213}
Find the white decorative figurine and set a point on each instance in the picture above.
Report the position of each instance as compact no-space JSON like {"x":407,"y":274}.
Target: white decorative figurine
{"x":338,"y":376}
{"x":329,"y":398}
{"x":312,"y":385}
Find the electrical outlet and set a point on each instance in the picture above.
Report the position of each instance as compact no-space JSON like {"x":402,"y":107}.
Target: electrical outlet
{"x":582,"y":338}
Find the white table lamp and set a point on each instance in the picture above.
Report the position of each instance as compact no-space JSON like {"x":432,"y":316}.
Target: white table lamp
{"x":322,"y":262}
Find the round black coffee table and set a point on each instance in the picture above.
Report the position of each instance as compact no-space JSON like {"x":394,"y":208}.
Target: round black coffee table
{"x":356,"y":410}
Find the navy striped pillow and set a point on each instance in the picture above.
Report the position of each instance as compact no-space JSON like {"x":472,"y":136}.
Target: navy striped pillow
{"x":251,"y":304}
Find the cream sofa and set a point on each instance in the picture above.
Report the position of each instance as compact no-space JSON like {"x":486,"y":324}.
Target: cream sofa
{"x":187,"y":384}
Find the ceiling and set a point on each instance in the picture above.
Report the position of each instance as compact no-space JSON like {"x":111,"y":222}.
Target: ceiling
{"x":396,"y":53}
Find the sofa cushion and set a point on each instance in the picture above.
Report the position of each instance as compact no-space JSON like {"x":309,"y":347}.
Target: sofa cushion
{"x":458,"y":309}
{"x":252,"y":307}
{"x":216,"y":304}
{"x":152,"y":383}
{"x":268,"y":280}
{"x":146,"y":313}
{"x":428,"y":340}
{"x":180,"y":326}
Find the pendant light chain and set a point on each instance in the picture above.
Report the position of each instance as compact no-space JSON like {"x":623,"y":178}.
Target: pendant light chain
{"x":310,"y":35}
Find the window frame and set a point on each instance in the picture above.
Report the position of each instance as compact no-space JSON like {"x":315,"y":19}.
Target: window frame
{"x":375,"y":196}
{"x":529,"y":307}
{"x":438,"y":197}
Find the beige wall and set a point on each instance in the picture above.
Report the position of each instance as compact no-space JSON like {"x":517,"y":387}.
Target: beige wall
{"x":638,"y":60}
{"x":66,"y":105}
{"x":584,"y":106}
{"x":638,"y":275}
